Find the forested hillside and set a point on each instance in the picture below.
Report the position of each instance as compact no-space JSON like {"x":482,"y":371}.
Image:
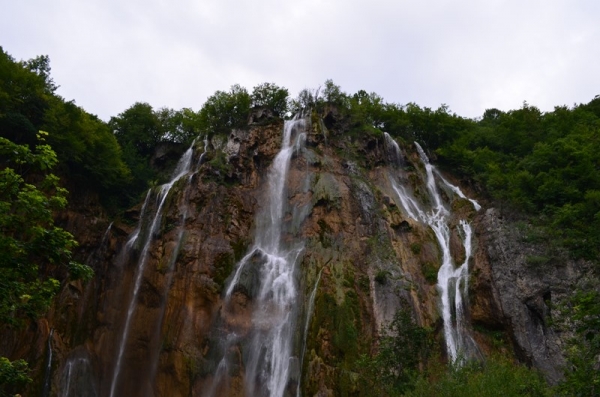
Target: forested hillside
{"x":540,"y":169}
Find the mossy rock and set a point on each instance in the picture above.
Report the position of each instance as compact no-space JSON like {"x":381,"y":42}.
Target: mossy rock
{"x":326,"y":191}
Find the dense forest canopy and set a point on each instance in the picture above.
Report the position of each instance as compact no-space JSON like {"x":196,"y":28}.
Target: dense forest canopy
{"x":540,"y":167}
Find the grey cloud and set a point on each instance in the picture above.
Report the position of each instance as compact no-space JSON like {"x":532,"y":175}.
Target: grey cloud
{"x":469,"y":54}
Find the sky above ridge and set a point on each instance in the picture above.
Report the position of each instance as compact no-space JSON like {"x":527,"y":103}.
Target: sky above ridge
{"x":469,"y":54}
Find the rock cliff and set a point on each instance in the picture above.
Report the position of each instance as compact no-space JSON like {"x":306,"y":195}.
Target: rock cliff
{"x":157,"y":319}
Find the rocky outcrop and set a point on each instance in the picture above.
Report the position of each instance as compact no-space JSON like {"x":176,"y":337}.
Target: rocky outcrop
{"x":529,"y":287}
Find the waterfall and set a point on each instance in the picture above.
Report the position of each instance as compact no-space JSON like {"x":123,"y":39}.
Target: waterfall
{"x":199,"y":163}
{"x":309,"y":312}
{"x":452,"y":280}
{"x":269,"y":345}
{"x":183,"y":168}
{"x":136,"y":233}
{"x":459,"y":192}
{"x":179,"y":241}
{"x":394,"y":153}
{"x":77,"y":376}
{"x":48,"y":374}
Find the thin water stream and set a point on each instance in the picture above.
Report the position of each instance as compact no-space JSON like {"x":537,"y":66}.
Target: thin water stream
{"x":452,"y":280}
{"x":48,"y":373}
{"x":183,"y":168}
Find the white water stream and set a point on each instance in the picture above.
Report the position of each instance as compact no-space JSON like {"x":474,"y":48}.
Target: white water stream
{"x":48,"y":373}
{"x":183,"y":168}
{"x":309,"y":313}
{"x":77,"y":378}
{"x":269,"y":348}
{"x":452,"y":280}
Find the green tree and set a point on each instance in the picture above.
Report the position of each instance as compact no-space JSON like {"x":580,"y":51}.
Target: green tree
{"x":306,"y":99}
{"x":403,"y":346}
{"x":333,"y":95}
{"x":137,"y":129}
{"x":178,"y":126}
{"x":498,"y":376}
{"x":88,"y":152}
{"x":582,"y":375}
{"x":224,"y":111}
{"x":34,"y":253}
{"x":367,"y":109}
{"x":270,"y":96}
{"x":13,"y":376}
{"x":24,"y":98}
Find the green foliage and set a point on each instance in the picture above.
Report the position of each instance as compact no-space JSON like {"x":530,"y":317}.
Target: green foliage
{"x":31,"y":247}
{"x":140,"y":130}
{"x":222,"y":170}
{"x":178,"y":126}
{"x":306,"y":99}
{"x":415,"y":248}
{"x":270,"y":96}
{"x":582,"y":376}
{"x":13,"y":376}
{"x":340,"y":320}
{"x":367,"y":109}
{"x":137,"y":129}
{"x":86,"y":148}
{"x":403,"y":347}
{"x":546,"y":165}
{"x":333,"y":95}
{"x":381,"y":276}
{"x":430,"y":272}
{"x":24,"y":95}
{"x":34,"y":253}
{"x":224,"y":111}
{"x":497,"y":377}
{"x":537,"y":260}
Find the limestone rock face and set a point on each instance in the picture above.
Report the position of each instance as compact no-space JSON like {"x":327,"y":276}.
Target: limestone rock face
{"x":362,"y":260}
{"x":528,"y":294}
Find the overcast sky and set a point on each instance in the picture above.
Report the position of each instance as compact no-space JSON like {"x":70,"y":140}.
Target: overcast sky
{"x":469,"y":54}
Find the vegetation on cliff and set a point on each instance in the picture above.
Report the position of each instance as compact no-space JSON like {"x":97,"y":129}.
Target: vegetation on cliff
{"x":35,"y":254}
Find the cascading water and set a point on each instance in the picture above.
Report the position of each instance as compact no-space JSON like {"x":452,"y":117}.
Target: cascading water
{"x":452,"y":281}
{"x":183,"y":206}
{"x":309,"y":312}
{"x":77,"y":377}
{"x":183,"y":168}
{"x":268,"y":347}
{"x":48,"y":374}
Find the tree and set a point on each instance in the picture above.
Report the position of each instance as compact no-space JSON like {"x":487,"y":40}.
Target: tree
{"x":13,"y":376}
{"x":333,"y":95}
{"x":86,"y":148}
{"x":34,"y":253}
{"x":270,"y":96}
{"x":224,"y":111}
{"x":307,"y":99}
{"x":24,"y":95}
{"x":179,"y":126}
{"x":582,"y":377}
{"x":137,"y":127}
{"x":403,"y":346}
